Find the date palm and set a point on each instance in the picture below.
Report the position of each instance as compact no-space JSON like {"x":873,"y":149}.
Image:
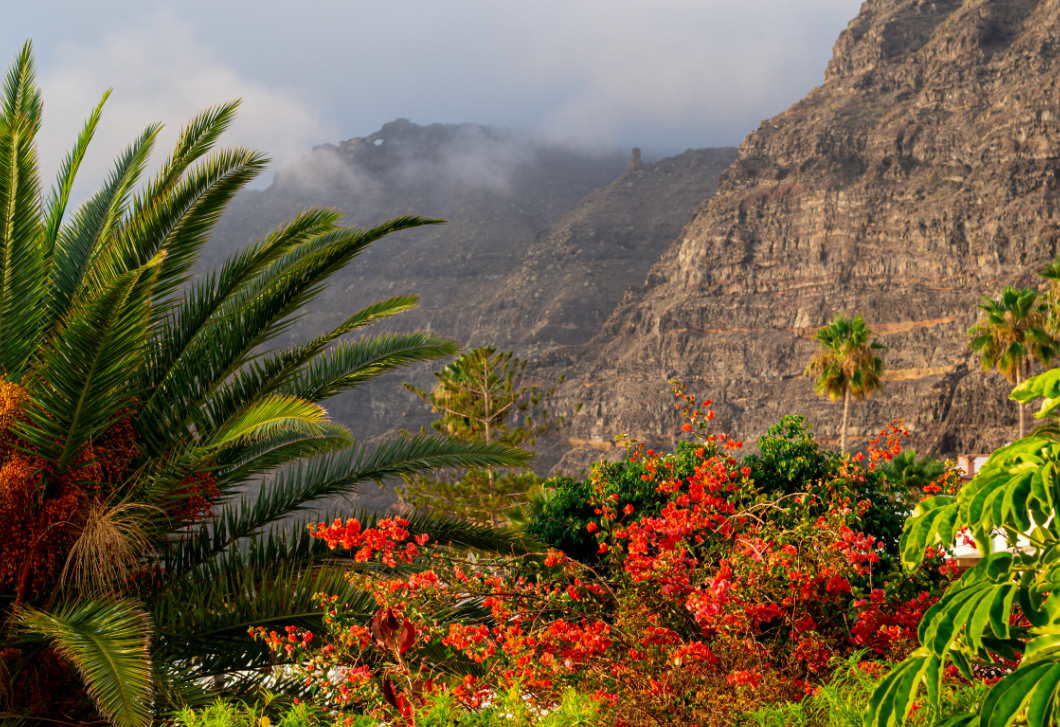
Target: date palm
{"x":846,"y":364}
{"x":155,"y":450}
{"x":1010,"y":334}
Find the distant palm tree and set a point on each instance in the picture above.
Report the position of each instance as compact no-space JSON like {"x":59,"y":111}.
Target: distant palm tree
{"x":1011,"y":332}
{"x":846,"y":365}
{"x":1051,"y":272}
{"x":911,"y":473}
{"x":153,"y":449}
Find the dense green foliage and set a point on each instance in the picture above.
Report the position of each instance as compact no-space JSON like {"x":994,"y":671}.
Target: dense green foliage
{"x":441,"y":710}
{"x":789,"y":460}
{"x":564,"y":517}
{"x":911,"y":472}
{"x":842,"y":700}
{"x":1001,"y":616}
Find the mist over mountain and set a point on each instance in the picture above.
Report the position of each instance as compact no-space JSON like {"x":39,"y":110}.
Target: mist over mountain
{"x":541,"y":243}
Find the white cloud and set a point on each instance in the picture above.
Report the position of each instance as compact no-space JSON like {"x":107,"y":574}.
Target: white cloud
{"x":713,"y":65}
{"x":160,"y":73}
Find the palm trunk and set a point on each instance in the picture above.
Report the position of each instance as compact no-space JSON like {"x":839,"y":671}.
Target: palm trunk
{"x":846,"y":419}
{"x":1019,"y":404}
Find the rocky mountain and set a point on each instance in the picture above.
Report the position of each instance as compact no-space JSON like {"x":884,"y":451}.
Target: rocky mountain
{"x":497,"y":188}
{"x":920,"y":176}
{"x":541,"y":241}
{"x":575,"y":274}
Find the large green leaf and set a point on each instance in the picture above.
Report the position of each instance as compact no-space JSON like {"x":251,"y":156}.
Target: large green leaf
{"x":107,"y":642}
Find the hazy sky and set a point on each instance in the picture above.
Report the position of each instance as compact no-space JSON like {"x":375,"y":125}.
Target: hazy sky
{"x":661,"y":74}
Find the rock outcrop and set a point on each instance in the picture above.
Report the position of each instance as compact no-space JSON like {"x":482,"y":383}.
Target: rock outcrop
{"x":920,"y":176}
{"x":574,"y":275}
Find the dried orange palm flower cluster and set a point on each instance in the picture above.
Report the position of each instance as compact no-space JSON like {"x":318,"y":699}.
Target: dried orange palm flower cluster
{"x":196,"y":498}
{"x":40,"y":527}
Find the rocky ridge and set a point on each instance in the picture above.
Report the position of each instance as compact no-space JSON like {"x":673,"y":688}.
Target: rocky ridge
{"x":920,"y":176}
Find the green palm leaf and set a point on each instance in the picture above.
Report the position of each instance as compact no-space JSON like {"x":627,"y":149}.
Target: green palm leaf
{"x":107,"y":643}
{"x":90,"y":230}
{"x":82,"y":382}
{"x":23,"y":275}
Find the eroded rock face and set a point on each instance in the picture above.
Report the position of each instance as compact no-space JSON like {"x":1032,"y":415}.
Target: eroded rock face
{"x":574,"y":275}
{"x":920,"y":176}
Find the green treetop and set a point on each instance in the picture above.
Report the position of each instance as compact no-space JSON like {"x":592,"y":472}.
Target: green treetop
{"x":481,"y":397}
{"x":846,"y":364}
{"x":1010,"y":334}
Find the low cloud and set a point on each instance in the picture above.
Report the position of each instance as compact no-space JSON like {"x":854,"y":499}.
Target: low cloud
{"x":439,"y":161}
{"x":712,"y":69}
{"x":160,"y":73}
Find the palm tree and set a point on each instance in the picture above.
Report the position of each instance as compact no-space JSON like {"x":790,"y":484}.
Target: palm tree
{"x":1051,"y":272}
{"x":1011,"y":333}
{"x":141,"y":409}
{"x":846,"y":365}
{"x":911,"y":474}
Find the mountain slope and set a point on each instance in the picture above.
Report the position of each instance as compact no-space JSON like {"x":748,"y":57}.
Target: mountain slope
{"x":573,"y":277}
{"x":920,"y":176}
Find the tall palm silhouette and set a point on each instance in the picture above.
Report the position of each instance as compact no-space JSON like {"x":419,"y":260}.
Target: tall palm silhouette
{"x":1010,"y":334}
{"x":846,"y":364}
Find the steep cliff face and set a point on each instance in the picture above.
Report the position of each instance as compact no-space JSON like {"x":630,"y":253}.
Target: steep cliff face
{"x":574,"y":275}
{"x":920,"y":176}
{"x":497,"y":188}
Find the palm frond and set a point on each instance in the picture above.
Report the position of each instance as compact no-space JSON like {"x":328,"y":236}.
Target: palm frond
{"x":107,"y":642}
{"x":352,"y":364}
{"x":179,"y":221}
{"x":165,"y":377}
{"x":196,"y":138}
{"x":265,"y":417}
{"x":21,"y":97}
{"x":23,"y":275}
{"x":250,"y":318}
{"x":238,"y":465}
{"x":270,"y":373}
{"x":343,"y":473}
{"x":82,"y":241}
{"x":82,"y":382}
{"x":55,"y":207}
{"x":208,"y":616}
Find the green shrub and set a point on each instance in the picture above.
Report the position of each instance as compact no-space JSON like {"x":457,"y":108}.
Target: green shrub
{"x":843,"y":699}
{"x":789,"y":460}
{"x":511,"y":710}
{"x":440,"y":710}
{"x":562,"y":523}
{"x":224,"y":713}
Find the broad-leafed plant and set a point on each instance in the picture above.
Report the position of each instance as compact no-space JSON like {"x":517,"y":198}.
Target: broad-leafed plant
{"x":153,"y":447}
{"x":1002,"y":617}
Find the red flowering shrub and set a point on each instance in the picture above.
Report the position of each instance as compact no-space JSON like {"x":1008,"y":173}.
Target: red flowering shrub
{"x":726,"y":599}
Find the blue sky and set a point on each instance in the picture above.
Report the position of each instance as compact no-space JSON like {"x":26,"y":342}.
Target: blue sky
{"x":662,"y":74}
